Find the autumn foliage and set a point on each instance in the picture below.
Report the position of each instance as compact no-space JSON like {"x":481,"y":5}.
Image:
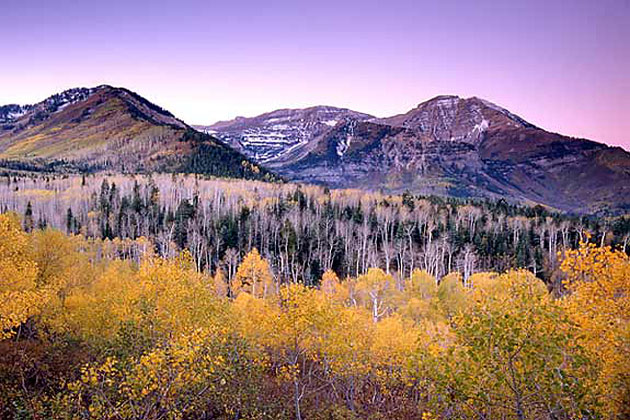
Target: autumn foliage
{"x":90,"y":329}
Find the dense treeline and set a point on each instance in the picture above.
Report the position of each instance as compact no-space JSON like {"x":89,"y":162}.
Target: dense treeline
{"x":304,"y":231}
{"x":93,"y":328}
{"x":211,"y":157}
{"x":14,"y":167}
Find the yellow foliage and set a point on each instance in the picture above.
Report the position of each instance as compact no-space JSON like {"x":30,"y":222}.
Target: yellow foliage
{"x":376,"y":291}
{"x":165,"y":296}
{"x":253,"y":276}
{"x":19,"y":296}
{"x":420,"y":298}
{"x":220,"y":283}
{"x":598,"y":301}
{"x":513,"y":355}
{"x":335,"y":289}
{"x":421,"y":284}
{"x":159,"y":338}
{"x":395,"y":340}
{"x":483,"y":280}
{"x":346,"y":345}
{"x":451,"y":294}
{"x":495,"y":285}
{"x":330,"y":283}
{"x":256,"y":319}
{"x":94,"y":312}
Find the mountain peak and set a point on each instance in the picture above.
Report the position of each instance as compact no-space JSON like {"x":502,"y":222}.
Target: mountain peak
{"x":441,"y":99}
{"x":503,"y":111}
{"x":110,"y":128}
{"x":452,"y":118}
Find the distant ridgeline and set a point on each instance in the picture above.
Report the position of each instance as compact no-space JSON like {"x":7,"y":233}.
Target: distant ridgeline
{"x":305,"y":230}
{"x":447,"y":146}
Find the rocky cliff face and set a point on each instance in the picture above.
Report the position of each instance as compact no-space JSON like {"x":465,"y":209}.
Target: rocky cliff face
{"x":281,"y":136}
{"x":458,"y":147}
{"x":451,"y":118}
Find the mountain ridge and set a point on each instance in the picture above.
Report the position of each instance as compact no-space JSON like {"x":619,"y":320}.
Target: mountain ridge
{"x":448,"y":145}
{"x":463,"y":147}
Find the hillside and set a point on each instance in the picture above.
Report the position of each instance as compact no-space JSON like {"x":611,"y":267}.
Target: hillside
{"x":463,"y":148}
{"x":114,"y":129}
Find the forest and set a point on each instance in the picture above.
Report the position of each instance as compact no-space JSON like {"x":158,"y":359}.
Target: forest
{"x":178,"y":297}
{"x":303,"y":231}
{"x":88,"y":333}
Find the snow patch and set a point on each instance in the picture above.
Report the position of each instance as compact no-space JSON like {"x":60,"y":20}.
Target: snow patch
{"x":14,"y":115}
{"x":447,"y":102}
{"x":481,"y":127}
{"x":342,"y":146}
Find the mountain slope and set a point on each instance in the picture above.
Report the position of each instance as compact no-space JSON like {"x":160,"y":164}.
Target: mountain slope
{"x":465,"y":148}
{"x":107,"y":128}
{"x":281,"y":136}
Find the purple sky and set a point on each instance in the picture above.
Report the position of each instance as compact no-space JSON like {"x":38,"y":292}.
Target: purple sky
{"x":564,"y":66}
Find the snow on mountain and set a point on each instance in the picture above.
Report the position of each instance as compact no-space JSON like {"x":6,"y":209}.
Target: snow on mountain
{"x":283,"y":136}
{"x":11,"y":112}
{"x":271,"y":137}
{"x":451,"y":118}
{"x":52,"y":104}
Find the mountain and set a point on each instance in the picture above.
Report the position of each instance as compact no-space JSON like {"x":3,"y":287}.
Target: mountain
{"x":281,"y":136}
{"x":110,"y":128}
{"x":462,"y":147}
